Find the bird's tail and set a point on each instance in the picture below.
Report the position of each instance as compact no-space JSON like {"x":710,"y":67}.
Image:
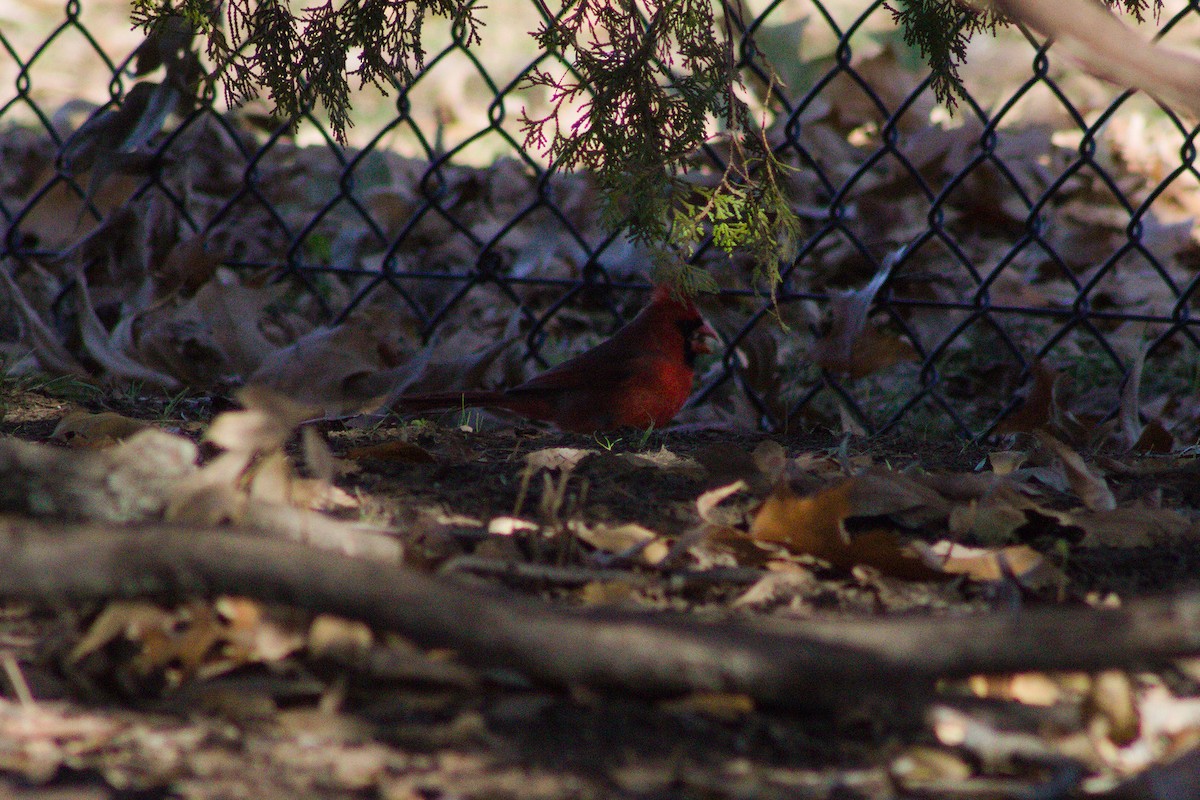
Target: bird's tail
{"x":433,"y":401}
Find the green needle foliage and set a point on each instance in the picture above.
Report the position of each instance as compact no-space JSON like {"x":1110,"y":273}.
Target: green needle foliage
{"x":649,"y":82}
{"x":942,"y":29}
{"x":644,"y":84}
{"x":259,"y":45}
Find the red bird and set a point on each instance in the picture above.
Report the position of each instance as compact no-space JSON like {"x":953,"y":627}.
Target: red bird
{"x":639,"y":378}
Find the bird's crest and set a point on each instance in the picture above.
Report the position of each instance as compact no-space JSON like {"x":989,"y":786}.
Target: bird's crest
{"x":669,"y":293}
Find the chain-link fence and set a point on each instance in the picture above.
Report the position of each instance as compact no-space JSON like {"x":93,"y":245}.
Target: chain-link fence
{"x":1046,"y":221}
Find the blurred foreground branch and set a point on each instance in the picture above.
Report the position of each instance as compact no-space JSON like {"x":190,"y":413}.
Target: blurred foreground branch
{"x":779,"y":663}
{"x":1111,"y":50}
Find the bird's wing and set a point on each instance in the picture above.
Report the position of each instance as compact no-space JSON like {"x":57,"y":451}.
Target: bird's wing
{"x":602,"y":366}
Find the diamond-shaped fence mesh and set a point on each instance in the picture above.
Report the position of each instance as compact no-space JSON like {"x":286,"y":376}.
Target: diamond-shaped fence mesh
{"x":1047,"y":220}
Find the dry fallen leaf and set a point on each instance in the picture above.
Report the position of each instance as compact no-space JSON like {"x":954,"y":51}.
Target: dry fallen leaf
{"x":193,"y":640}
{"x":171,"y":642}
{"x":461,"y":361}
{"x":991,"y":521}
{"x":853,"y":346}
{"x":720,"y":705}
{"x":606,"y":593}
{"x":1088,"y":485}
{"x":272,"y":478}
{"x":265,"y":424}
{"x":40,"y":738}
{"x":133,"y":480}
{"x":707,"y":504}
{"x":1031,"y":688}
{"x":879,"y":492}
{"x":1022,"y":563}
{"x":1006,"y":462}
{"x":395,"y":450}
{"x":252,"y":633}
{"x":84,"y":429}
{"x":190,"y":265}
{"x":232,"y":314}
{"x":622,"y":539}
{"x":556,"y":458}
{"x":725,"y":462}
{"x":815,"y":525}
{"x":1005,"y":515}
{"x":330,"y":635}
{"x":345,"y":368}
{"x":120,"y":618}
{"x":509,"y":526}
{"x":1132,"y":527}
{"x":50,"y":353}
{"x":662,"y":459}
{"x":1155,"y":438}
{"x":780,"y":586}
{"x":1038,"y":409}
{"x":106,"y":348}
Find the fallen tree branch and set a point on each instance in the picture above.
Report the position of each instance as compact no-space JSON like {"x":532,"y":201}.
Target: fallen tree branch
{"x":549,"y":574}
{"x":787,"y":663}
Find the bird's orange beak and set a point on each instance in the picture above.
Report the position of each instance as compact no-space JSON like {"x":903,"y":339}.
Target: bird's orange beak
{"x":699,"y":342}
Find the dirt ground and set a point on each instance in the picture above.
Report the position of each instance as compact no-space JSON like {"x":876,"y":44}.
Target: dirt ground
{"x":394,"y":722}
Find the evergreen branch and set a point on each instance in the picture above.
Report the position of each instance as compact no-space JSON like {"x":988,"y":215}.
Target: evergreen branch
{"x":260,"y":45}
{"x":942,"y":29}
{"x":646,"y":84}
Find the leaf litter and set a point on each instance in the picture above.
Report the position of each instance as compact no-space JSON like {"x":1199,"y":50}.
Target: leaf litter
{"x":803,"y":531}
{"x":709,"y":522}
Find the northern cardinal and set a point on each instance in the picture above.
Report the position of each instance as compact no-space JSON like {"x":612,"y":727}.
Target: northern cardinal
{"x":639,"y":378}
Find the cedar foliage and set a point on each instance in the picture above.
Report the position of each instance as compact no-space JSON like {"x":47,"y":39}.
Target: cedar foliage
{"x":942,"y":29}
{"x":654,"y":80}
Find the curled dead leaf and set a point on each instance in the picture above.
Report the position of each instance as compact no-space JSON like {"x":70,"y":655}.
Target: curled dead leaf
{"x":1021,"y":563}
{"x":119,"y":618}
{"x":707,"y":503}
{"x":816,"y":525}
{"x":344,"y":368}
{"x":1087,"y":484}
{"x":853,"y":346}
{"x":49,"y":351}
{"x":106,"y":349}
{"x":622,"y":540}
{"x":1039,"y":408}
{"x":1006,"y":462}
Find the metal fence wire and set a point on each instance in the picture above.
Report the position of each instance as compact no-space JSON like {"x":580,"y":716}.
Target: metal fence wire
{"x":1046,"y":221}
